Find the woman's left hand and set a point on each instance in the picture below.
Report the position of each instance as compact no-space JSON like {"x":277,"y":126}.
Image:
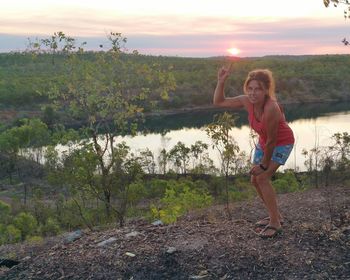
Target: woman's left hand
{"x":256,"y":170}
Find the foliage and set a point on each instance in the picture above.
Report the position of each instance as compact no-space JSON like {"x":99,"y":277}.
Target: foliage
{"x":136,"y":191}
{"x":10,"y":234}
{"x":226,"y":145}
{"x":5,"y":211}
{"x":107,"y":94}
{"x":156,"y":188}
{"x":179,"y":155}
{"x":335,"y":3}
{"x":35,"y":239}
{"x":298,"y":78}
{"x":341,"y":150}
{"x":286,"y":182}
{"x":178,"y":200}
{"x":241,"y":189}
{"x":26,"y":223}
{"x":51,"y":227}
{"x":223,"y":141}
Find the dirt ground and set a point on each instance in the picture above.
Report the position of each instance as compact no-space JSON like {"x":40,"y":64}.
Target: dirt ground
{"x":315,"y":244}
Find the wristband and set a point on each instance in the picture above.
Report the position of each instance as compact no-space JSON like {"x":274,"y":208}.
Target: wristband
{"x":262,"y":167}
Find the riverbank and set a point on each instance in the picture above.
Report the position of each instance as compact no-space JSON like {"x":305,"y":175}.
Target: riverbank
{"x":11,"y":114}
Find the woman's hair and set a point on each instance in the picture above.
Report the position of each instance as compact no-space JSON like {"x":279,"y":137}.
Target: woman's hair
{"x":264,"y":78}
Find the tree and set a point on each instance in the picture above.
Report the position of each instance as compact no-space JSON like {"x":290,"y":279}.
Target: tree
{"x":197,"y":150}
{"x":341,"y":149}
{"x":346,"y":11}
{"x":147,"y":161}
{"x":163,"y":160}
{"x":225,"y":144}
{"x":106,"y":92}
{"x":179,"y":154}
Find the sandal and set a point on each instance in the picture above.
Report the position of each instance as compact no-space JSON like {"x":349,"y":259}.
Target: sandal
{"x":264,"y":222}
{"x":277,"y":231}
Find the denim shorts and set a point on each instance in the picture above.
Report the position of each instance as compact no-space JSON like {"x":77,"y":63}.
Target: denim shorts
{"x":280,"y":154}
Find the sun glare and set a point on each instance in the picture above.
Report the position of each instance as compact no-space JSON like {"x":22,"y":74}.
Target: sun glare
{"x":234,"y":51}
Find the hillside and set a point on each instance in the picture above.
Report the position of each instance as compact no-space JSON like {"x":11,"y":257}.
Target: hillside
{"x":315,"y":244}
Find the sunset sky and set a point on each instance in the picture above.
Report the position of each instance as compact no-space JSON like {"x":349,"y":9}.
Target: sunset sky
{"x":197,"y":28}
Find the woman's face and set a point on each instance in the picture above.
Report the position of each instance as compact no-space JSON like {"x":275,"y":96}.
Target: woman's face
{"x":256,"y":93}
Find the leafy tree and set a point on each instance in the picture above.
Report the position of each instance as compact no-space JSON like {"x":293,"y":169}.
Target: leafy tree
{"x":106,"y":93}
{"x":197,"y":150}
{"x":225,"y":144}
{"x":147,"y":161}
{"x":341,"y":149}
{"x":179,"y":155}
{"x":163,"y":160}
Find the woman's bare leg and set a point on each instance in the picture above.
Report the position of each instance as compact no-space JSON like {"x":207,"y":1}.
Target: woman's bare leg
{"x":258,"y":190}
{"x":255,"y":184}
{"x":269,"y":196}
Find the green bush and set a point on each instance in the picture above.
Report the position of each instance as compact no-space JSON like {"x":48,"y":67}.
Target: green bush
{"x":178,"y":200}
{"x":26,"y":223}
{"x":5,"y":211}
{"x":12,"y":234}
{"x":136,"y":191}
{"x":286,"y":183}
{"x":156,"y":188}
{"x":51,"y":227}
{"x":241,"y":189}
{"x":35,"y":239}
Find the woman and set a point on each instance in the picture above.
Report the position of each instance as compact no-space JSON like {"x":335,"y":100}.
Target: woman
{"x":275,"y":137}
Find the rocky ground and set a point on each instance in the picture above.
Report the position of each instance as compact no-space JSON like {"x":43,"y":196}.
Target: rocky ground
{"x":315,"y":244}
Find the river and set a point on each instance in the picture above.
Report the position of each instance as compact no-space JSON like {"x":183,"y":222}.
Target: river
{"x":311,"y":123}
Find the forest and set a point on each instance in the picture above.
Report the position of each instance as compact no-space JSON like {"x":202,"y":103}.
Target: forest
{"x":62,"y":95}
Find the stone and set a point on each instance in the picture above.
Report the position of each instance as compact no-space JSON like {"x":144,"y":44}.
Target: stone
{"x":107,"y":242}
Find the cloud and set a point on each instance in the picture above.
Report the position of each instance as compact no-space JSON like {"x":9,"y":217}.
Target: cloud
{"x":208,"y":36}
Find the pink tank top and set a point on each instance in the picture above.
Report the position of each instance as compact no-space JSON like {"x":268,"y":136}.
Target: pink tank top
{"x":284,"y":134}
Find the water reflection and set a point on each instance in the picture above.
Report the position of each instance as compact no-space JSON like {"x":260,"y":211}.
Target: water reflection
{"x":198,"y":119}
{"x":312,"y":124}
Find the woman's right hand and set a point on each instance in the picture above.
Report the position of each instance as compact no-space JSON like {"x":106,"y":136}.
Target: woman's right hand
{"x":223,"y":73}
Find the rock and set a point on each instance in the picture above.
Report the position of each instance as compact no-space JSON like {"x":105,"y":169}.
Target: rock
{"x":107,"y":242}
{"x":171,"y":250}
{"x":132,"y":234}
{"x":158,"y":223}
{"x":130,"y":254}
{"x":27,"y":258}
{"x":71,"y":237}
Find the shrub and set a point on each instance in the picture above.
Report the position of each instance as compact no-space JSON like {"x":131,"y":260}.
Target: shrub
{"x":5,"y":211}
{"x":287,"y":183}
{"x":35,"y":239}
{"x":12,"y":234}
{"x":136,"y":191}
{"x":51,"y":227}
{"x":26,"y":223}
{"x":157,"y":188}
{"x":178,"y":200}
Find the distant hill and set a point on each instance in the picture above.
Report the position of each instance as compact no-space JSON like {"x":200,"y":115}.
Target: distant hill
{"x":304,"y":78}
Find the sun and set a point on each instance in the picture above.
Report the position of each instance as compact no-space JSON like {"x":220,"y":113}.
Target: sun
{"x":234,"y":51}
